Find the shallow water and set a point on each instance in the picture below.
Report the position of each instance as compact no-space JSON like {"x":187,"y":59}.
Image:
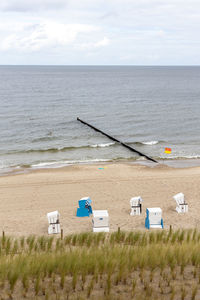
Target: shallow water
{"x":149,"y":108}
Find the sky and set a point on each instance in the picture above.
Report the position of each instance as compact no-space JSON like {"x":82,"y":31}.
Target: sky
{"x":98,"y":32}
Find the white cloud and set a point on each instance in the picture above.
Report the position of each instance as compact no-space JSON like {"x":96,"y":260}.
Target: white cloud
{"x":100,"y":31}
{"x":47,"y":34}
{"x":31,"y":5}
{"x":94,"y":45}
{"x":102,"y":43}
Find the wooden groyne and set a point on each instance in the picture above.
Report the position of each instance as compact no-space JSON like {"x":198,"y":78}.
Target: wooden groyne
{"x":118,"y":141}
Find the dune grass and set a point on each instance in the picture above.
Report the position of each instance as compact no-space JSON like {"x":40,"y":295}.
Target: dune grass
{"x":121,"y":265}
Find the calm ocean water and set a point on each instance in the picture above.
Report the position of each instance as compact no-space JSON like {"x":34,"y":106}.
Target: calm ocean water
{"x":149,"y":108}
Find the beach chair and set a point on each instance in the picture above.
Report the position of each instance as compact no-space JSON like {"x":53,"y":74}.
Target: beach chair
{"x":84,"y":209}
{"x":154,"y":218}
{"x":136,"y":206}
{"x":181,"y":205}
{"x":54,"y":223}
{"x":100,"y":221}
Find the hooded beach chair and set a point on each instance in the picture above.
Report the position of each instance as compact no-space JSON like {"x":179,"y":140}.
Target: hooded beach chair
{"x":100,"y":221}
{"x":54,"y":223}
{"x":85,"y":208}
{"x":181,"y":205}
{"x":154,"y":218}
{"x":136,"y":206}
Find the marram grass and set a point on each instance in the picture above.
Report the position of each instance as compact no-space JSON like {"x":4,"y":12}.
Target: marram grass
{"x":122,"y":265}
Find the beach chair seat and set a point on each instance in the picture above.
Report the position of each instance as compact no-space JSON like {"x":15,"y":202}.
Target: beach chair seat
{"x":181,"y":205}
{"x":85,"y":208}
{"x":54,"y":229}
{"x":54,"y":222}
{"x":154,"y":218}
{"x":100,"y":221}
{"x":136,"y":206}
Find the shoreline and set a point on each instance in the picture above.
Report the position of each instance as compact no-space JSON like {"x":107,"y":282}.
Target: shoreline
{"x":27,"y":198}
{"x":174,"y":163}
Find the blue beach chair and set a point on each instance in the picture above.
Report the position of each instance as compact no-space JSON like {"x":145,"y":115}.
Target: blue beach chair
{"x":84,"y":209}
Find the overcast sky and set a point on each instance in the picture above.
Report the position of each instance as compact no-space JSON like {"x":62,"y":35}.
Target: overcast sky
{"x":98,"y":32}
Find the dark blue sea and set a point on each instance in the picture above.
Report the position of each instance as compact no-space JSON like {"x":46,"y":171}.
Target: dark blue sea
{"x":149,"y":108}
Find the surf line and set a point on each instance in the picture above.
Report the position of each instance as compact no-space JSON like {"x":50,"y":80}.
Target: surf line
{"x":118,"y":141}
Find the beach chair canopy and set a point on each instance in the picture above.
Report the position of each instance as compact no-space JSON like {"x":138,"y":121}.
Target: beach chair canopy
{"x":135,"y":201}
{"x":84,"y":201}
{"x":53,"y":217}
{"x":179,"y":198}
{"x":100,"y":213}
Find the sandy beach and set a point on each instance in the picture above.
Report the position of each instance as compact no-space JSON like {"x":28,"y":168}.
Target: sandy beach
{"x":27,"y":198}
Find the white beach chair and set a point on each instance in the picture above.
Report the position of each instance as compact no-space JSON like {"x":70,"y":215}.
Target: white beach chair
{"x":54,"y":223}
{"x":100,"y":221}
{"x":181,"y":205}
{"x":154,"y":218}
{"x":136,"y":206}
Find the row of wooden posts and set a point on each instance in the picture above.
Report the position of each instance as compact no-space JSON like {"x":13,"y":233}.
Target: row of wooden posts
{"x":62,"y":235}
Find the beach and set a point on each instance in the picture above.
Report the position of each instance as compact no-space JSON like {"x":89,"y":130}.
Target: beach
{"x":27,"y":198}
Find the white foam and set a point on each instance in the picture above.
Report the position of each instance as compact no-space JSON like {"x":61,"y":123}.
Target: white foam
{"x":102,"y":145}
{"x":60,"y":164}
{"x":150,"y":143}
{"x":181,"y":157}
{"x":191,"y":156}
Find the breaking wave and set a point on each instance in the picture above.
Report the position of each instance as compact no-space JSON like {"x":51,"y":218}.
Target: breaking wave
{"x":57,"y":164}
{"x":150,"y":143}
{"x":59,"y":149}
{"x":102,"y":145}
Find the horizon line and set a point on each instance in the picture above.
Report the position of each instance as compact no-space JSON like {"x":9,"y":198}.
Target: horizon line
{"x":96,"y":65}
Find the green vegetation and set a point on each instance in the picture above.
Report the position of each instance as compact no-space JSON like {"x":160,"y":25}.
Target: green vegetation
{"x":122,"y":265}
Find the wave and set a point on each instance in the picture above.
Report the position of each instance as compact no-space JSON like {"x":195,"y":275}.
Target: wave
{"x":50,"y":150}
{"x":179,"y":157}
{"x":59,"y":149}
{"x":57,"y":164}
{"x":102,"y":145}
{"x":150,"y":143}
{"x":146,"y":143}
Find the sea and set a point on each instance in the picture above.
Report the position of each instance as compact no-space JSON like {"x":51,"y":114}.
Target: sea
{"x":147,"y":107}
